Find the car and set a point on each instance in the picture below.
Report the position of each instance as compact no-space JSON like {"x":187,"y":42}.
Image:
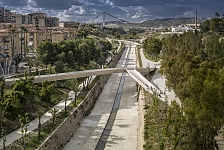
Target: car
{"x":23,"y":64}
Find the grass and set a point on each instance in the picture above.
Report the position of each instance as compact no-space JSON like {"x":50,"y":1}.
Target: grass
{"x":139,"y":56}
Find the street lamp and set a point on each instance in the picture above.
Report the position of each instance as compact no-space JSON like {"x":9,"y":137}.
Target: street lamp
{"x":2,"y":70}
{"x":11,"y":62}
{"x":6,"y":62}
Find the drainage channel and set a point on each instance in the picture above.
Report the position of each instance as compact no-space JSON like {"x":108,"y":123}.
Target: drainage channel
{"x":106,"y":132}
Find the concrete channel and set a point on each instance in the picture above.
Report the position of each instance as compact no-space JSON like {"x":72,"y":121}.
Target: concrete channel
{"x":113,"y":122}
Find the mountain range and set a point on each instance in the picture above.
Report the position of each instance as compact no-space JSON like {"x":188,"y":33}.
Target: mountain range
{"x":167,"y":22}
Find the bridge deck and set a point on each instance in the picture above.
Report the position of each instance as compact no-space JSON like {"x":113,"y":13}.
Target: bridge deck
{"x":77,"y":74}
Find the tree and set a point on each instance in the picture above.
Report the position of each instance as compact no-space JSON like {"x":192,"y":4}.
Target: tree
{"x":37,"y":33}
{"x":53,"y":112}
{"x":26,"y":90}
{"x":25,"y":41}
{"x":193,"y":66}
{"x":65,"y":98}
{"x":217,"y":15}
{"x":39,"y":114}
{"x":23,"y":125}
{"x":74,"y":86}
{"x":152,"y":46}
{"x":22,"y":28}
{"x":46,"y":91}
{"x":3,"y":136}
{"x":11,"y":37}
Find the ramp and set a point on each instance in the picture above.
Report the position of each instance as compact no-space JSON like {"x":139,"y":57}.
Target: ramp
{"x":147,"y":85}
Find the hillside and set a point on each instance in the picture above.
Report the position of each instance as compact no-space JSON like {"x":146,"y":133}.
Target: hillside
{"x":158,"y":22}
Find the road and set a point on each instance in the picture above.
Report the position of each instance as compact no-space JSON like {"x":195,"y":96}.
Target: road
{"x":113,"y":123}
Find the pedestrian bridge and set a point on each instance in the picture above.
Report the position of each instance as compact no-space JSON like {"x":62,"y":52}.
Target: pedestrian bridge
{"x":78,"y":74}
{"x":135,"y":73}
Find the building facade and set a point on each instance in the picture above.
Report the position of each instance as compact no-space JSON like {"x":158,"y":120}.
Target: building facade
{"x":5,"y":15}
{"x":17,"y":40}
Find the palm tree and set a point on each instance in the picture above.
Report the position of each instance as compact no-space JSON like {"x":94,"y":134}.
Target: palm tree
{"x":39,"y":114}
{"x":10,"y":30}
{"x":25,"y":41}
{"x":65,"y":98}
{"x":75,"y":88}
{"x":21,"y":38}
{"x":37,"y":36}
{"x":53,"y":112}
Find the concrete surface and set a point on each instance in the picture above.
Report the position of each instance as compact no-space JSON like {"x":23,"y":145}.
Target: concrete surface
{"x":125,"y":128}
{"x":89,"y":132}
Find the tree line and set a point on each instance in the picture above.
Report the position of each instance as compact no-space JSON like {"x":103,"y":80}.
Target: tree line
{"x":193,"y":64}
{"x":78,"y":54}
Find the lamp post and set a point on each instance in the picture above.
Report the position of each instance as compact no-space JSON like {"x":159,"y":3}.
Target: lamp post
{"x":2,"y":70}
{"x":6,"y":64}
{"x":11,"y":63}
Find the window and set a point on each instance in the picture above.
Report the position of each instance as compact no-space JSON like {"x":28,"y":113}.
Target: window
{"x":5,"y":47}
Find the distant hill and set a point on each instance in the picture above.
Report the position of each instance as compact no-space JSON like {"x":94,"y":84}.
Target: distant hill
{"x":160,"y":22}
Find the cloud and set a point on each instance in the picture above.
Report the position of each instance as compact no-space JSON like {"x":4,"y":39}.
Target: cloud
{"x":129,"y":10}
{"x":56,"y":4}
{"x":77,"y":13}
{"x":136,"y":12}
{"x":14,"y":2}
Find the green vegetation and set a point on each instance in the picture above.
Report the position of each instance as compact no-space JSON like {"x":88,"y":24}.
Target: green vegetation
{"x":152,"y":47}
{"x":24,"y":98}
{"x":139,"y":56}
{"x":214,"y":25}
{"x":193,"y":66}
{"x":162,"y":126}
{"x":79,"y":54}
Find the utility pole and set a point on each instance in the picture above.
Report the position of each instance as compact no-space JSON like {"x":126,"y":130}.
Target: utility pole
{"x":103,"y":19}
{"x":196,"y":20}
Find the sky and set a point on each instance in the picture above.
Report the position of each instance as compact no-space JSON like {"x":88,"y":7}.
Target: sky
{"x":128,"y":10}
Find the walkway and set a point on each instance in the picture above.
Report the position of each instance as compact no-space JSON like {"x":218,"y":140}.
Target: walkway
{"x":159,"y":81}
{"x":76,"y":74}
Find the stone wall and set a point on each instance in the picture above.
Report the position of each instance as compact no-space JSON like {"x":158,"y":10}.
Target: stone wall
{"x":62,"y":134}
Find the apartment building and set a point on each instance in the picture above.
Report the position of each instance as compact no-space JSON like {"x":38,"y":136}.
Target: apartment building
{"x":35,"y":18}
{"x":16,"y":40}
{"x":5,"y":15}
{"x":19,"y":19}
{"x":52,"y":22}
{"x":69,"y":24}
{"x":9,"y":45}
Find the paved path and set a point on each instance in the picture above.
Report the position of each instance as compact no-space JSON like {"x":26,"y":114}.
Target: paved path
{"x":159,"y":80}
{"x":148,"y":63}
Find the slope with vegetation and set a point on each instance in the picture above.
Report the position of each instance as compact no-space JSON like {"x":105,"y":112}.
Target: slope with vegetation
{"x":193,"y":64}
